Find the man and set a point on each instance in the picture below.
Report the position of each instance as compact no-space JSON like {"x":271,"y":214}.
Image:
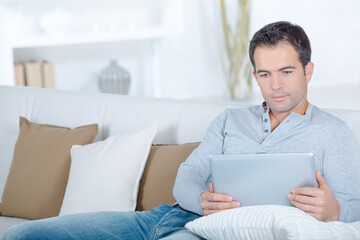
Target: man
{"x":286,"y":122}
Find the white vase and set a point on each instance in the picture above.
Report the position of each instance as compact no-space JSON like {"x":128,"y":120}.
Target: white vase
{"x":114,"y":79}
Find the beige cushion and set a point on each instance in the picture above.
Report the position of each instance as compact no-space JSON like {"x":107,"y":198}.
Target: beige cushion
{"x":39,"y":171}
{"x":160,"y":173}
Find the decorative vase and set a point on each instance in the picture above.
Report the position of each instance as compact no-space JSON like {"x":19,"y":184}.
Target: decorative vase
{"x":114,"y":79}
{"x":234,"y":40}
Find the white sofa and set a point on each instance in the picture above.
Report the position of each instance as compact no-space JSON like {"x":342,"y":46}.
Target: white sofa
{"x":178,"y":121}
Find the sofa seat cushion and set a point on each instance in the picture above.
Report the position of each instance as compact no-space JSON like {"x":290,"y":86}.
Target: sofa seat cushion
{"x":160,"y":173}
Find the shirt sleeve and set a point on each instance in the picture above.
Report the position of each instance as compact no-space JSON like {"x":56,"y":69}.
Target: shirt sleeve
{"x":341,"y":170}
{"x":194,"y":172}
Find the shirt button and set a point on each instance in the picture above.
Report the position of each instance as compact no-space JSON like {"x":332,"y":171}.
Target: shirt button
{"x":265,"y":120}
{"x":266,"y":130}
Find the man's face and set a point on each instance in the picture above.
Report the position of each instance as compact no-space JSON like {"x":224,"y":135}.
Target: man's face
{"x":281,"y":77}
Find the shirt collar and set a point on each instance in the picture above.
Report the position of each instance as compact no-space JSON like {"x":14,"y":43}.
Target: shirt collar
{"x":263,"y":111}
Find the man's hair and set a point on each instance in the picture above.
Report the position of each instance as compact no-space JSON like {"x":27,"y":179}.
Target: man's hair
{"x":280,"y":32}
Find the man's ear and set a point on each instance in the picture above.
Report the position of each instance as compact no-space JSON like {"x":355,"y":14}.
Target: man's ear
{"x":309,"y":69}
{"x":255,"y":77}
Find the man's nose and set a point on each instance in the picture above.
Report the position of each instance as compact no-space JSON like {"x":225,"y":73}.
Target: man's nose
{"x":276,"y":82}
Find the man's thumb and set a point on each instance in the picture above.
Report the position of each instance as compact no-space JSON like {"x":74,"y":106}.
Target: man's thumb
{"x":211,"y":188}
{"x":320,"y":179}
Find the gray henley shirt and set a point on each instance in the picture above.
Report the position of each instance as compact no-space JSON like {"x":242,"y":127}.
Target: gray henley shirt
{"x":248,"y":130}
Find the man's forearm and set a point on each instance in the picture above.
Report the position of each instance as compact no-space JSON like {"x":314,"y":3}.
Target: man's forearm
{"x":188,"y":188}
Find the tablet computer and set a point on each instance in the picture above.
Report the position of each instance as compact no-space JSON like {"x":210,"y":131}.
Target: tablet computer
{"x":262,"y":179}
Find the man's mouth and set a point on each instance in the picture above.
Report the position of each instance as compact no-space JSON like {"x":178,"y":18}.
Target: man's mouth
{"x":279,"y":98}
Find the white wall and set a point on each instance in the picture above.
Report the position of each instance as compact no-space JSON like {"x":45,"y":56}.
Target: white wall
{"x":187,"y":65}
{"x":332,"y":27}
{"x":6,"y":77}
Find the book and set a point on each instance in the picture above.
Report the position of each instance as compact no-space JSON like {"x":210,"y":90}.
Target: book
{"x":19,"y":74}
{"x":48,"y":75}
{"x":33,"y":74}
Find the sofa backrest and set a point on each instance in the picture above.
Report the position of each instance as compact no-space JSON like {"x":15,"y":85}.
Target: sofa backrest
{"x":178,"y":121}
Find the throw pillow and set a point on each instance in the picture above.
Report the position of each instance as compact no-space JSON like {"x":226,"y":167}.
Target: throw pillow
{"x":160,"y":173}
{"x":39,"y":171}
{"x":270,"y":222}
{"x":105,"y":176}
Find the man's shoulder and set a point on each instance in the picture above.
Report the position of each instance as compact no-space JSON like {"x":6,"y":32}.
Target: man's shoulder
{"x":244,"y":110}
{"x":326,"y":119}
{"x":236,"y":116}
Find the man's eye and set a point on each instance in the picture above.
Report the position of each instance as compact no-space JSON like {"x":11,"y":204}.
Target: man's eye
{"x":287,"y":72}
{"x":264,"y":75}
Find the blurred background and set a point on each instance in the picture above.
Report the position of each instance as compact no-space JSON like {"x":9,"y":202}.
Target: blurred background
{"x":174,"y":48}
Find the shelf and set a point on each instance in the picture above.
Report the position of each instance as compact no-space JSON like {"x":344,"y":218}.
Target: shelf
{"x":54,"y":40}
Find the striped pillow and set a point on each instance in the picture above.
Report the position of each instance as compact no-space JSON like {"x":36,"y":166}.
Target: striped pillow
{"x":270,"y":222}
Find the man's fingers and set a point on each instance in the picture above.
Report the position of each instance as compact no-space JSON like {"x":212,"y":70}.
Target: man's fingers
{"x":222,"y":205}
{"x":305,"y":207}
{"x":218,"y":197}
{"x":308,"y":191}
{"x":211,"y":188}
{"x":303,"y":199}
{"x":215,"y":202}
{"x":212,"y":207}
{"x":321,"y":180}
{"x":211,"y":211}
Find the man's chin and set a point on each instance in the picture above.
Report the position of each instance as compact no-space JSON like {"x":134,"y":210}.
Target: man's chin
{"x":279,"y":107}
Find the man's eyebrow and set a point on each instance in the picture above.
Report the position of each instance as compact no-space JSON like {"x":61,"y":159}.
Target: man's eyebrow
{"x":260,"y":71}
{"x":281,"y":69}
{"x":287,"y":67}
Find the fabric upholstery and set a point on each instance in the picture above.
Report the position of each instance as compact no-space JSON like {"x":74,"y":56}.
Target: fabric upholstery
{"x":39,"y":171}
{"x":270,"y":222}
{"x":105,"y":175}
{"x":160,"y":172}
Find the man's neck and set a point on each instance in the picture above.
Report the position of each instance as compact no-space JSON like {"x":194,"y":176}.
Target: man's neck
{"x":277,"y":117}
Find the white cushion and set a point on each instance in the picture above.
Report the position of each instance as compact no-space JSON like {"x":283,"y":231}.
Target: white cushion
{"x":105,"y":176}
{"x":270,"y":222}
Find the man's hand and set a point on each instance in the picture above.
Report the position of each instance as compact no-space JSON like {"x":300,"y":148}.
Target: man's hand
{"x":215,"y":202}
{"x":318,"y":202}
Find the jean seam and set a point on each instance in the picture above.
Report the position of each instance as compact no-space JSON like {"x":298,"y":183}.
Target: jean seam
{"x":156,"y":232}
{"x":158,"y":225}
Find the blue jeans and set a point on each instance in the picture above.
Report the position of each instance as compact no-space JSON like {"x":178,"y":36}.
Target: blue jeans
{"x":163,"y":222}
